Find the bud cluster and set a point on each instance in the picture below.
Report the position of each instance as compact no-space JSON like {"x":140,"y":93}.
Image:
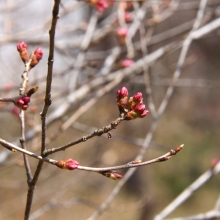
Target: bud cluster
{"x":35,"y":56}
{"x":133,"y":106}
{"x":68,"y":164}
{"x":22,"y":101}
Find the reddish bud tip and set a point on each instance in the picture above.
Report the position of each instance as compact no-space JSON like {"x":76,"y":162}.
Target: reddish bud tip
{"x":112,"y":175}
{"x":26,"y":99}
{"x":138,"y":112}
{"x":22,"y":49}
{"x":128,"y":17}
{"x":100,"y":5}
{"x":138,"y":97}
{"x":121,"y":93}
{"x":22,"y":102}
{"x":135,"y":100}
{"x":68,"y":164}
{"x":122,"y":97}
{"x":122,"y":32}
{"x":126,"y":63}
{"x":38,"y":53}
{"x":21,"y":46}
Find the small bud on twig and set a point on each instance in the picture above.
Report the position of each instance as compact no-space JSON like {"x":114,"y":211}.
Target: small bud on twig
{"x":122,"y":97}
{"x":128,"y":17}
{"x":126,"y":63}
{"x":112,"y":175}
{"x":32,"y":91}
{"x":35,"y":57}
{"x":68,"y":164}
{"x":22,"y":102}
{"x":23,"y":51}
{"x":122,"y":34}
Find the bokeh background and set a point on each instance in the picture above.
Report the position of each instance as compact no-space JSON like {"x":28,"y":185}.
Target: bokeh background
{"x":191,"y":118}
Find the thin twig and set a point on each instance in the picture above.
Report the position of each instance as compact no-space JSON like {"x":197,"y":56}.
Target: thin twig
{"x":97,"y":132}
{"x":188,"y":192}
{"x":45,"y":109}
{"x":132,"y":164}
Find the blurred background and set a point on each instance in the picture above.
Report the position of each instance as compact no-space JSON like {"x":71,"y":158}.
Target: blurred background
{"x":89,"y":55}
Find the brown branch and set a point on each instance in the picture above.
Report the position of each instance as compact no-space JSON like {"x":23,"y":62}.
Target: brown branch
{"x":97,"y":132}
{"x":131,"y":164}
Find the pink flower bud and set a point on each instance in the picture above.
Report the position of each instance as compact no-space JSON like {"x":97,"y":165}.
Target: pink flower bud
{"x":121,"y":93}
{"x":35,"y":57}
{"x":122,"y":97}
{"x":100,"y":5}
{"x":22,"y":49}
{"x":21,"y":46}
{"x":126,"y":63}
{"x":128,"y":17}
{"x":138,"y":112}
{"x":141,"y":111}
{"x":68,"y":164}
{"x":38,"y":53}
{"x":24,"y":107}
{"x":135,"y":100}
{"x":26,"y":99}
{"x":20,"y":101}
{"x":122,"y":32}
{"x":138,"y":97}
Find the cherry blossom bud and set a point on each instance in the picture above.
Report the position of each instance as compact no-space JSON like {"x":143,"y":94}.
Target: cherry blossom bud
{"x":135,"y":100}
{"x":22,"y":102}
{"x":68,"y":164}
{"x":100,"y":5}
{"x":126,"y":63}
{"x":35,"y":57}
{"x":22,"y":49}
{"x":122,"y":97}
{"x":128,"y":17}
{"x":26,"y":99}
{"x":140,"y":109}
{"x":112,"y":175}
{"x":122,"y":34}
{"x":38,"y":53}
{"x":138,"y":112}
